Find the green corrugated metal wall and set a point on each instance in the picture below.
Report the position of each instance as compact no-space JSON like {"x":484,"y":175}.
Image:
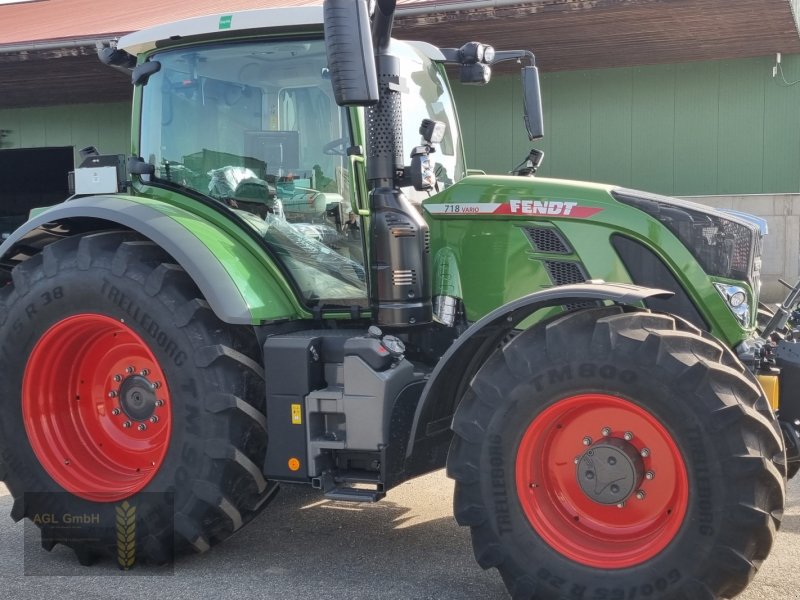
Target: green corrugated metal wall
{"x":106,"y":126}
{"x":723,"y":127}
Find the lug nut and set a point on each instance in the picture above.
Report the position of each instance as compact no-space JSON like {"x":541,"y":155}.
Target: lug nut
{"x":640,"y":495}
{"x":606,"y":431}
{"x":159,"y":403}
{"x":156,"y":385}
{"x":144,"y":373}
{"x":129,"y":370}
{"x":126,"y":424}
{"x":628,"y":436}
{"x":621,"y":505}
{"x":587,"y":441}
{"x":154,"y":419}
{"x":66,"y":461}
{"x":117,"y":378}
{"x":116,"y":412}
{"x":141,"y":427}
{"x":112,"y":394}
{"x":577,"y":459}
{"x":650,"y":475}
{"x":645,"y":452}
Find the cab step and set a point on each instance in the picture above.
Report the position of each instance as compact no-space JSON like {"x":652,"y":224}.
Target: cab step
{"x":350,"y":494}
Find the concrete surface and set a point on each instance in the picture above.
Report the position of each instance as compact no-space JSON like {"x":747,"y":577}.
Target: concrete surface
{"x":406,"y":546}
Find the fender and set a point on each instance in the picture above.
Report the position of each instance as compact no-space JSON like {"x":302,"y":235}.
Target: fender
{"x":239,"y":286}
{"x":442,"y":392}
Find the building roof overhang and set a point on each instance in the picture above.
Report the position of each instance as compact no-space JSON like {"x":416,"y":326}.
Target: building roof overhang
{"x":47,"y":53}
{"x":596,"y":34}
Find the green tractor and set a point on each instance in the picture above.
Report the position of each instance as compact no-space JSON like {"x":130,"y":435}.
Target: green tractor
{"x":206,"y":321}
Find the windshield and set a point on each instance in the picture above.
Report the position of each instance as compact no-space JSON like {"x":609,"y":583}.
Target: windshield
{"x":255,"y":126}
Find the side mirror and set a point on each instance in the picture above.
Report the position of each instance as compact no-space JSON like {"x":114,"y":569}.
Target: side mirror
{"x":534,"y":122}
{"x":351,"y":58}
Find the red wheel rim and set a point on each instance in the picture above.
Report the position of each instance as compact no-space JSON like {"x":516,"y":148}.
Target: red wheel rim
{"x":96,"y":408}
{"x":579,"y":527}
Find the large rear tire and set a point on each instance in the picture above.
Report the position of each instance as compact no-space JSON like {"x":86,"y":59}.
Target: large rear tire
{"x":612,"y":454}
{"x":124,"y":398}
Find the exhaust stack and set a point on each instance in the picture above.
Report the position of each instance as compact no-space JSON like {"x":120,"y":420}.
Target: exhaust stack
{"x":399,"y":238}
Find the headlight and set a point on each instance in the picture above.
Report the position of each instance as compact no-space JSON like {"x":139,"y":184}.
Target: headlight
{"x":736,"y":299}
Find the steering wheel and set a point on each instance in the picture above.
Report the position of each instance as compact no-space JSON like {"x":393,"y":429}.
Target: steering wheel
{"x":336,"y":147}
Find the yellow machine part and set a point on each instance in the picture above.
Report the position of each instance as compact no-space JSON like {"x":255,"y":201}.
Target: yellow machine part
{"x":771,"y":389}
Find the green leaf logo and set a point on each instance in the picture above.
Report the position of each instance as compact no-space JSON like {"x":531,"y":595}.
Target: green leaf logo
{"x":126,"y":535}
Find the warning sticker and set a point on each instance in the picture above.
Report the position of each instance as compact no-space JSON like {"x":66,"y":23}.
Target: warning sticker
{"x":297,"y":415}
{"x":552,"y":208}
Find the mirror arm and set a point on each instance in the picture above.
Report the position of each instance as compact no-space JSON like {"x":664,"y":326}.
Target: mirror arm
{"x":452,"y":56}
{"x":506,"y":55}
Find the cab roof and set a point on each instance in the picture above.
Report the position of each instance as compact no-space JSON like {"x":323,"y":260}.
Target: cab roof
{"x":222,"y":24}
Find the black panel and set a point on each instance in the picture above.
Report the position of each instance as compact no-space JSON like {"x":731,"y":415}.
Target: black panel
{"x":788,"y":359}
{"x":292,"y":368}
{"x":647,"y":269}
{"x":31,"y":178}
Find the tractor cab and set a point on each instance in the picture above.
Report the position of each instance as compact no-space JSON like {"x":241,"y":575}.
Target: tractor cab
{"x":254,"y":125}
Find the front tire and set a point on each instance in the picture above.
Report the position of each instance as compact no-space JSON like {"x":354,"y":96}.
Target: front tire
{"x":617,"y":454}
{"x":123,"y":394}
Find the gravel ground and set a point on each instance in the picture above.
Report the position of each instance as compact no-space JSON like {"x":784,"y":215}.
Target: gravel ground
{"x":406,"y":546}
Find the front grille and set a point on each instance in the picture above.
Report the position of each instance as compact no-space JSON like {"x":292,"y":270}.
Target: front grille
{"x":546,"y":240}
{"x":756,"y":276}
{"x":722,"y":243}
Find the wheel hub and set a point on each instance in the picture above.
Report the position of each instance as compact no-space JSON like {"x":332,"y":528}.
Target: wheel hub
{"x":137,"y":398}
{"x":610,"y":471}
